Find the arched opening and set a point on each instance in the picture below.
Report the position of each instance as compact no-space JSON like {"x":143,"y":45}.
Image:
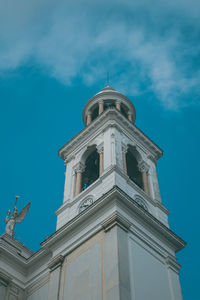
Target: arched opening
{"x":108,"y":104}
{"x":95,"y":112}
{"x":124,"y":111}
{"x":91,"y":172}
{"x":132,"y":168}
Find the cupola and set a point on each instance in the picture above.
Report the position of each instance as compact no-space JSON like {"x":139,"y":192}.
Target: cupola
{"x":106,"y":98}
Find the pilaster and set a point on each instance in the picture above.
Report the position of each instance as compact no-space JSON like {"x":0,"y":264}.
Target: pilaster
{"x":55,"y":267}
{"x":116,"y":258}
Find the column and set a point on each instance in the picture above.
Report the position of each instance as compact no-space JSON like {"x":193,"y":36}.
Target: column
{"x":101,"y":108}
{"x":150,"y":184}
{"x":101,"y":158}
{"x":118,"y":105}
{"x":55,"y":267}
{"x":124,"y":151}
{"x":143,"y":168}
{"x":89,"y":118}
{"x":130,"y":116}
{"x":79,"y":170}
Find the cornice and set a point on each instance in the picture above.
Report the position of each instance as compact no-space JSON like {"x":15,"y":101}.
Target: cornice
{"x":12,"y":252}
{"x":117,"y":197}
{"x":110,"y":117}
{"x":116,"y":219}
{"x":15,"y":245}
{"x":56,"y":262}
{"x":172,"y":263}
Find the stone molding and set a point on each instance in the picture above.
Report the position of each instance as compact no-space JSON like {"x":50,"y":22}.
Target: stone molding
{"x":124,"y":148}
{"x":118,"y":198}
{"x":79,"y":167}
{"x":116,"y":120}
{"x":101,"y":101}
{"x":172,"y":263}
{"x":152,"y":158}
{"x":100,"y":148}
{"x":55,"y":263}
{"x":143,"y":166}
{"x":115,"y":199}
{"x":118,"y":101}
{"x":116,"y":219}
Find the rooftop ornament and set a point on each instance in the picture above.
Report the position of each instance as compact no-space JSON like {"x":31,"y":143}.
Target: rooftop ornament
{"x":15,"y":217}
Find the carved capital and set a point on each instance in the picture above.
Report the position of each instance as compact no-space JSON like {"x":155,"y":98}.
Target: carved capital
{"x":100,"y":148}
{"x":65,"y":162}
{"x":56,"y":262}
{"x":124,"y":148}
{"x":79,"y":168}
{"x":67,"y":159}
{"x":152,"y":158}
{"x":143,"y":166}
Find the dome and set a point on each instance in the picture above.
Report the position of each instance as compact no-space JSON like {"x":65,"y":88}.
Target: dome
{"x":108,"y":97}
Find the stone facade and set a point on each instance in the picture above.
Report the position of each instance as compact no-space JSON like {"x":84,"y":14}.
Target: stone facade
{"x":112,"y":239}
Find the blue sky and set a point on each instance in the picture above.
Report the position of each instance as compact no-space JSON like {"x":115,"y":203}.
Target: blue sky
{"x":54,"y":57}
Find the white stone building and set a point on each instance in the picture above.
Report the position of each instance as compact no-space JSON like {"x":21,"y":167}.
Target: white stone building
{"x":112,"y":239}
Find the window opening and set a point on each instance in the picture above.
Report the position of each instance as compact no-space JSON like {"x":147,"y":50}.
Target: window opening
{"x":108,"y":105}
{"x":124,"y":111}
{"x":133,"y":170}
{"x":91,"y":172}
{"x":95,"y":113}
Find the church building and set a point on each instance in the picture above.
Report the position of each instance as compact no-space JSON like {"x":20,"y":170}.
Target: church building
{"x":112,"y":238}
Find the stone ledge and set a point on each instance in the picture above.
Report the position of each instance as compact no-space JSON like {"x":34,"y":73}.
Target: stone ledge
{"x":116,"y":219}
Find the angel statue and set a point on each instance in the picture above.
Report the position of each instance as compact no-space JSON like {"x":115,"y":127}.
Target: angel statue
{"x":15,"y":217}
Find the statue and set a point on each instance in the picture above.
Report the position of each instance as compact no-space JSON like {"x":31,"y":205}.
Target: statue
{"x":15,"y":217}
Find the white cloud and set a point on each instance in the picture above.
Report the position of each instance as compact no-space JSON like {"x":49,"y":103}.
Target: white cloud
{"x":154,"y":43}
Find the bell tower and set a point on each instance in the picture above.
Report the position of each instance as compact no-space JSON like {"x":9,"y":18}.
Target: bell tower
{"x":111,"y":191}
{"x":111,"y":151}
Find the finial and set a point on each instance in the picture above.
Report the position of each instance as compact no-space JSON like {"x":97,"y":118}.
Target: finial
{"x":108,"y":82}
